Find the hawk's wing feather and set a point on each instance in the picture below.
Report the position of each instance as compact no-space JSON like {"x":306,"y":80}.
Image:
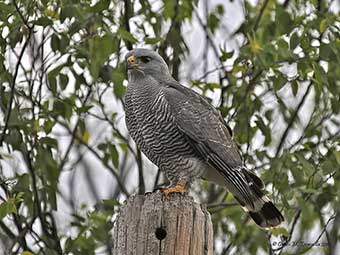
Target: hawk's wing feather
{"x":208,"y":134}
{"x":201,"y":121}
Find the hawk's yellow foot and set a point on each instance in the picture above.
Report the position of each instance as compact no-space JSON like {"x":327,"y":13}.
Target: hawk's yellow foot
{"x":178,"y":188}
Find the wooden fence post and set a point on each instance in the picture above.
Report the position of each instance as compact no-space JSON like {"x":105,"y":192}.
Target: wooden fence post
{"x":155,"y":225}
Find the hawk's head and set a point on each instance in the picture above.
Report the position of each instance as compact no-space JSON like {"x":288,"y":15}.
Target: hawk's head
{"x":145,"y":62}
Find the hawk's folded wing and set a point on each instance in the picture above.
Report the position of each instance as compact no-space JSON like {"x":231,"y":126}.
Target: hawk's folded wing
{"x":205,"y":129}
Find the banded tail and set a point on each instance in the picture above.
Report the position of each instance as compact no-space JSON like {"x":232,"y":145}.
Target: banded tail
{"x":247,"y":189}
{"x":268,"y":216}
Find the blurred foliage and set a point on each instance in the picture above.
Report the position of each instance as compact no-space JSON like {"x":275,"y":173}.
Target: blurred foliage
{"x":62,"y":83}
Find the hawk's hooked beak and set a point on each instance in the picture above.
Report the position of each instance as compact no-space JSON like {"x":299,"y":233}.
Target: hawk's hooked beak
{"x":132,"y":62}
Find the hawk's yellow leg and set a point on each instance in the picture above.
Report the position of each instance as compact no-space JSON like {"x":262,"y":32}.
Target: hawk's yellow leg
{"x":178,"y":188}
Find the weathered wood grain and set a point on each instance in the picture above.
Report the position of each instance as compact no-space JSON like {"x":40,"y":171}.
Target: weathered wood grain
{"x":155,"y":225}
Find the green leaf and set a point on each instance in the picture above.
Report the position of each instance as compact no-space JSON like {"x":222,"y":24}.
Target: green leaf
{"x":101,"y":5}
{"x":304,"y":68}
{"x":51,"y":76}
{"x":305,"y":43}
{"x":7,"y":207}
{"x":152,"y":40}
{"x":52,"y":143}
{"x":337,"y":156}
{"x":269,"y":114}
{"x":62,"y":108}
{"x":102,"y":147}
{"x":307,"y":166}
{"x":83,"y":109}
{"x":16,"y":36}
{"x":213,"y":22}
{"x":118,"y":87}
{"x":320,"y":75}
{"x":169,"y":9}
{"x":279,"y":231}
{"x":105,"y":73}
{"x":43,"y":21}
{"x":48,"y":125}
{"x":14,"y":139}
{"x":86,"y":137}
{"x":67,"y":12}
{"x":220,"y":9}
{"x":323,"y":25}
{"x":6,"y":8}
{"x":283,"y":21}
{"x":100,"y":49}
{"x":226,"y":55}
{"x":294,"y":41}
{"x":55,"y":42}
{"x":326,"y":52}
{"x":63,"y":81}
{"x":294,"y":86}
{"x":308,"y":216}
{"x":59,"y":44}
{"x":329,"y":165}
{"x":213,"y":85}
{"x":126,"y":35}
{"x":27,"y":253}
{"x":52,"y":83}
{"x":114,"y":155}
{"x":110,"y":204}
{"x":54,"y":72}
{"x":265,"y":130}
{"x":52,"y":196}
{"x":279,"y":82}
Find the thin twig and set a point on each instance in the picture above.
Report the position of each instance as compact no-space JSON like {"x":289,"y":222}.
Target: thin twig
{"x":292,"y":120}
{"x":112,"y":170}
{"x":208,"y":37}
{"x":320,"y":235}
{"x":10,"y":103}
{"x":258,"y":19}
{"x":96,"y":154}
{"x":294,"y":223}
{"x":223,"y":205}
{"x":21,"y":15}
{"x":250,"y":87}
{"x":44,"y":224}
{"x":74,"y":132}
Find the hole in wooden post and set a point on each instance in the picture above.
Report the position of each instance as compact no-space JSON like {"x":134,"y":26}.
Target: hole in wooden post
{"x":160,"y":233}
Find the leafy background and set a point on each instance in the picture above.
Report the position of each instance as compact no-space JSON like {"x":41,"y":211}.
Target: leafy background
{"x":67,"y":161}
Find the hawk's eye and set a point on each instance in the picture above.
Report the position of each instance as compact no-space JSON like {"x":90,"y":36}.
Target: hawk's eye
{"x":145,"y":59}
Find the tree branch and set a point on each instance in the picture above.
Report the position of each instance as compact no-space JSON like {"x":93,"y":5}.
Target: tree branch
{"x":127,"y":7}
{"x":140,"y":172}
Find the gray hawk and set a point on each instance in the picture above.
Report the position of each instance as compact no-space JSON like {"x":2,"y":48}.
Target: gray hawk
{"x":186,"y":137}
